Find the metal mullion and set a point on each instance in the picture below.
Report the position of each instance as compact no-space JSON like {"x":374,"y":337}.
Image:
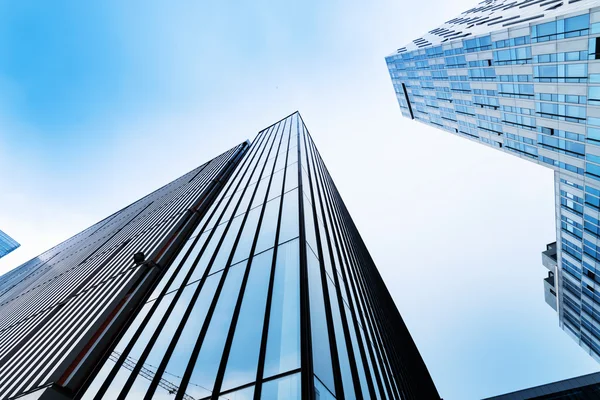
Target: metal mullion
{"x":267,"y":316}
{"x":339,"y":387}
{"x":351,"y":309}
{"x":108,"y":379}
{"x":232,"y":327}
{"x":150,"y":344}
{"x":370,"y":308}
{"x":306,"y":361}
{"x":371,"y":336}
{"x":348,"y":339}
{"x":332,"y":199}
{"x":359,"y":311}
{"x":199,"y":341}
{"x":170,"y":349}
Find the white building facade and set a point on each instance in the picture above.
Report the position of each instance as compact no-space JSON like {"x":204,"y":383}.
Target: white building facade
{"x":524,"y":77}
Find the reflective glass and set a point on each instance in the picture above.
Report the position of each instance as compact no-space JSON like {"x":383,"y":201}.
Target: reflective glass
{"x":243,"y":358}
{"x":242,"y":394}
{"x":318,"y":323}
{"x":247,"y":238}
{"x":283,"y":340}
{"x":205,"y":369}
{"x":321,"y":391}
{"x":266,"y":237}
{"x":289,"y":217}
{"x":181,"y":354}
{"x":287,"y":388}
{"x":155,"y":356}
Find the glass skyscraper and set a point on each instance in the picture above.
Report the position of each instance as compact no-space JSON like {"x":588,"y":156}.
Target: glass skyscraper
{"x":7,"y":244}
{"x":523,"y":77}
{"x":244,"y":279}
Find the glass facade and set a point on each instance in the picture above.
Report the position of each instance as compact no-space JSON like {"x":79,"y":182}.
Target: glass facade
{"x":524,"y":78}
{"x":271,"y":294}
{"x":7,"y":244}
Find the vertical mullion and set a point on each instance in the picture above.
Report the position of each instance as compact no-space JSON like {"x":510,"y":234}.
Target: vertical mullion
{"x":166,"y":357}
{"x":348,"y":340}
{"x":118,"y":364}
{"x":306,"y":358}
{"x":205,"y":326}
{"x":232,"y":328}
{"x":158,"y":329}
{"x":339,"y":390}
{"x":267,"y":316}
{"x":357,"y":295}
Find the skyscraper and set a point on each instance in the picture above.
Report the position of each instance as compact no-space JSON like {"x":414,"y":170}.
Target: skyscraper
{"x":7,"y":244}
{"x":523,"y":77}
{"x":253,"y":284}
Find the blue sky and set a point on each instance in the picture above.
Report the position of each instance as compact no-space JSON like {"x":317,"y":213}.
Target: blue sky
{"x":102,"y":102}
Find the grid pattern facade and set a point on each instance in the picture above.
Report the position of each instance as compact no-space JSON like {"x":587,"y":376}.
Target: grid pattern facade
{"x":7,"y":244}
{"x":529,"y":87}
{"x":53,"y":304}
{"x":269,"y":293}
{"x":273,"y":297}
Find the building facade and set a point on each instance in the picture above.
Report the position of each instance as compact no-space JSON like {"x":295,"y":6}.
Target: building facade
{"x":263,"y":290}
{"x":585,"y":387}
{"x":7,"y":244}
{"x":523,"y":77}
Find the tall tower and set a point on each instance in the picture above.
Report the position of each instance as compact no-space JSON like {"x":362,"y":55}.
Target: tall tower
{"x":7,"y":244}
{"x":523,"y":77}
{"x":260,"y":287}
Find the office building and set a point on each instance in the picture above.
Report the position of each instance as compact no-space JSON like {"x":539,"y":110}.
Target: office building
{"x":523,"y":77}
{"x":7,"y":244}
{"x":254,"y":283}
{"x":586,"y":387}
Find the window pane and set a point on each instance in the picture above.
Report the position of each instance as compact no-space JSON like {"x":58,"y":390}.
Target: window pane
{"x":266,"y":237}
{"x":181,"y":354}
{"x":247,"y":238}
{"x":318,"y":323}
{"x":242,"y":394}
{"x":289,"y":217}
{"x":287,"y":388}
{"x":205,"y":370}
{"x":243,"y":358}
{"x":283,"y":342}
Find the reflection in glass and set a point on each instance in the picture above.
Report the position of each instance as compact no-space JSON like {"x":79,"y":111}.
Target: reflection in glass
{"x":321,"y":391}
{"x":243,"y":358}
{"x":318,"y":323}
{"x":245,"y":243}
{"x":142,"y":382}
{"x":107,"y":367}
{"x":242,"y":394}
{"x":205,"y":370}
{"x":266,"y":237}
{"x":287,"y":388}
{"x":283,"y":341}
{"x":181,"y":354}
{"x":289,"y":217}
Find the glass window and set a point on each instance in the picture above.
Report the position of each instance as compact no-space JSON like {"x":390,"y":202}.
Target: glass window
{"x":321,"y":391}
{"x":266,"y":237}
{"x":187,"y":340}
{"x":287,"y":388}
{"x":243,"y":358}
{"x":283,"y":341}
{"x":205,"y":370}
{"x":289,"y":217}
{"x":242,"y":394}
{"x":594,"y":95}
{"x":320,"y":337}
{"x":578,"y":23}
{"x":242,"y":250}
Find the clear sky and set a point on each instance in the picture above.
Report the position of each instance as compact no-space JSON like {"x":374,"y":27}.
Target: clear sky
{"x":102,"y":102}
